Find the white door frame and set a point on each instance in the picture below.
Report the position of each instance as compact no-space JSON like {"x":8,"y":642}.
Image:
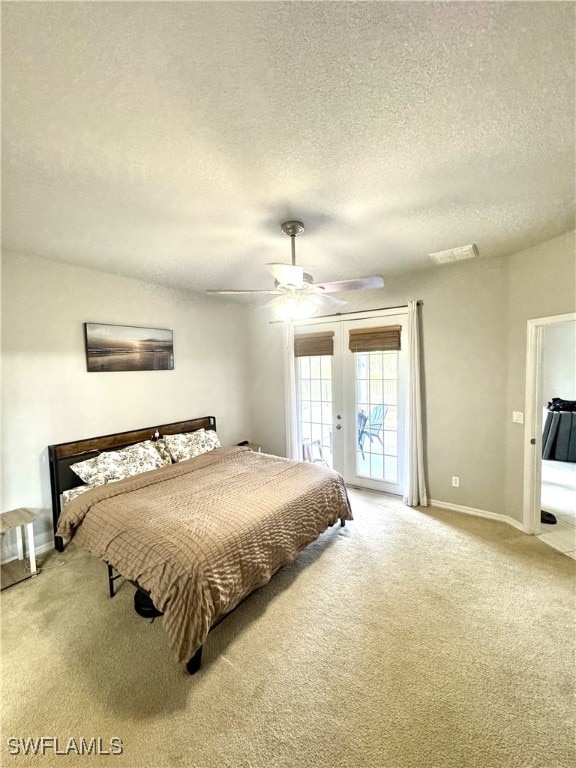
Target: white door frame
{"x":532,"y":426}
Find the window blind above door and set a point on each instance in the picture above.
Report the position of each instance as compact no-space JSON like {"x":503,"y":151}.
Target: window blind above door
{"x":309,"y":344}
{"x":383,"y":339}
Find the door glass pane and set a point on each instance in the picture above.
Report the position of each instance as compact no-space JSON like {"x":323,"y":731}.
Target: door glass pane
{"x":315,"y":407}
{"x":376,"y":406}
{"x":376,"y":389}
{"x":362,"y":391}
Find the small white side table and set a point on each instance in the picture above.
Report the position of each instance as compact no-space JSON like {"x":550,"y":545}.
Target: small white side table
{"x":20,"y":519}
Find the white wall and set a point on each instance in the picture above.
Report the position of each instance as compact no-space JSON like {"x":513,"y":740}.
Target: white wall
{"x":48,"y":396}
{"x":474,"y":317}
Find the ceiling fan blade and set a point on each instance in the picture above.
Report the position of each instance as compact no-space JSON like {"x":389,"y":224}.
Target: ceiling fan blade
{"x":233,"y":293}
{"x":287,"y":274}
{"x":324,"y":301}
{"x":375,"y":281}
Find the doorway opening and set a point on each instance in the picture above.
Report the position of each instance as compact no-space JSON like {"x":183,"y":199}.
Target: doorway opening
{"x":550,"y":450}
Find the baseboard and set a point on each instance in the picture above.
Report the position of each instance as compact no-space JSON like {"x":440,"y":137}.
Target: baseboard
{"x":40,"y":550}
{"x":479,"y":513}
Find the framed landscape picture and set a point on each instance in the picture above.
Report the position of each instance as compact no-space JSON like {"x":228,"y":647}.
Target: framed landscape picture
{"x":128,"y":348}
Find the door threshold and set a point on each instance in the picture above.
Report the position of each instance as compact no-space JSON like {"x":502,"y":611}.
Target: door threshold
{"x":373,"y":490}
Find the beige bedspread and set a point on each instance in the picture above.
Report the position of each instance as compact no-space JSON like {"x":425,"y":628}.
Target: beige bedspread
{"x":202,"y":534}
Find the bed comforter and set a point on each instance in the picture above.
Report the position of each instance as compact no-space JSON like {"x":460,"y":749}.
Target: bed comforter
{"x":202,"y":534}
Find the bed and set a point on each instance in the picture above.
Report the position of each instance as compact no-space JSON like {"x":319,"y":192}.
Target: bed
{"x":198,"y":535}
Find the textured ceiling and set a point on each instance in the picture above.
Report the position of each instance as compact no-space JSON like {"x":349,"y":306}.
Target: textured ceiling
{"x":168,"y":141}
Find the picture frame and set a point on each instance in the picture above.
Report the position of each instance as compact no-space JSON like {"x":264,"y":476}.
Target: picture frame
{"x":116,"y":348}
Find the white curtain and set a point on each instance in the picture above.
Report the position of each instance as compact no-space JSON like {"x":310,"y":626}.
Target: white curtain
{"x":415,"y":493}
{"x":292,"y":450}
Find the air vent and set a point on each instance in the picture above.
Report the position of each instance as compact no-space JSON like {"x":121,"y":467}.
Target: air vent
{"x":455,"y":254}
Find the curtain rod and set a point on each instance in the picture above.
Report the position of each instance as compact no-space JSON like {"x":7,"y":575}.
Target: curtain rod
{"x":356,"y":312}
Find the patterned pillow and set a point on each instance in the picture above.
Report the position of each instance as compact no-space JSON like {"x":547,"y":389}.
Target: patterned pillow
{"x":210,"y":440}
{"x":189,"y":444}
{"x":162,"y":449}
{"x":116,"y":465}
{"x":73,"y":492}
{"x":101,"y":469}
{"x":141,"y":457}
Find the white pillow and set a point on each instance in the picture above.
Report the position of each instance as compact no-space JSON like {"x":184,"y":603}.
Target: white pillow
{"x":116,"y":465}
{"x":187,"y":445}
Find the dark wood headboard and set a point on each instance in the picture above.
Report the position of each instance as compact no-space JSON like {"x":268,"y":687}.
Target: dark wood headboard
{"x":62,"y":455}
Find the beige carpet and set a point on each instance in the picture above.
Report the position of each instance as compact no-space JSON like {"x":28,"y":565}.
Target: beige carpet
{"x":420,"y":638}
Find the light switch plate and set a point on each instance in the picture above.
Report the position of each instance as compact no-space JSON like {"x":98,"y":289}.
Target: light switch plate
{"x":517,"y":417}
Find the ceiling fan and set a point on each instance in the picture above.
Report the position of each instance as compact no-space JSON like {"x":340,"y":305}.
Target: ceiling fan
{"x":297,"y":295}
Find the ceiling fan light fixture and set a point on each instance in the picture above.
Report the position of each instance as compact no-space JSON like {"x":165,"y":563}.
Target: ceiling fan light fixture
{"x":290,"y":275}
{"x":295,"y":308}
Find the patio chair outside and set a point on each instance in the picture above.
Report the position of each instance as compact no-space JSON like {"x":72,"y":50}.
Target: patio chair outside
{"x":373,"y":426}
{"x":362,"y":433}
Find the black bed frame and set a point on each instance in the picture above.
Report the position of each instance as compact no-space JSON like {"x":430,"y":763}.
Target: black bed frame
{"x":62,"y":478}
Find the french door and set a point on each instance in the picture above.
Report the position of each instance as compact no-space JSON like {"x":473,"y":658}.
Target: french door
{"x":350,"y":405}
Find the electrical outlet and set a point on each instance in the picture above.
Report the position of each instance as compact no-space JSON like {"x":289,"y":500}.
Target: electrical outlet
{"x":517,"y":417}
{"x":456,"y":482}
